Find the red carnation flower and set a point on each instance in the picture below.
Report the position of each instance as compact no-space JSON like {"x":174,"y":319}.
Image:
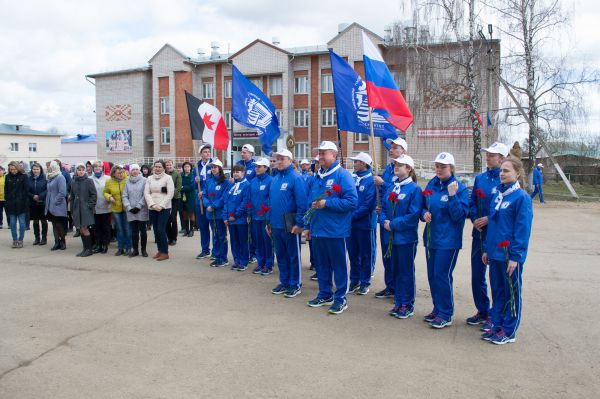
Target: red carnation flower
{"x":263,"y":209}
{"x":211,"y":194}
{"x":328,"y":192}
{"x":504,"y":244}
{"x":248,"y":205}
{"x":480,"y":193}
{"x":427,"y":192}
{"x":336,"y":188}
{"x":232,"y":214}
{"x":393,"y":197}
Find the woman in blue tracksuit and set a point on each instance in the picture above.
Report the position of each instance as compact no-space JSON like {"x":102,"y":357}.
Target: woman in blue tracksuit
{"x":482,"y":193}
{"x":235,"y":213}
{"x":402,"y":221}
{"x":259,"y":197}
{"x":362,"y":242}
{"x":213,"y":199}
{"x":506,"y":244}
{"x":444,"y":210}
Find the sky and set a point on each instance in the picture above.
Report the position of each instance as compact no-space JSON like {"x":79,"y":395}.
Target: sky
{"x":47,"y":48}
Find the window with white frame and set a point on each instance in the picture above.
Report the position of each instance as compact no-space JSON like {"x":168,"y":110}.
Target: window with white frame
{"x":14,"y":147}
{"x":32,"y":147}
{"x":301,"y":151}
{"x":164,"y":105}
{"x":228,"y":120}
{"x":227,"y":89}
{"x":361,"y":138}
{"x":208,"y":90}
{"x":279,"y":115}
{"x":326,"y":84}
{"x":165,"y":135}
{"x":256,"y":82}
{"x":328,"y":117}
{"x":301,"y":85}
{"x":301,"y":118}
{"x":275,"y":86}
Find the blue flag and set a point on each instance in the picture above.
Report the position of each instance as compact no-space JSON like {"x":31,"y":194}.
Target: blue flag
{"x":351,"y":103}
{"x":252,"y":108}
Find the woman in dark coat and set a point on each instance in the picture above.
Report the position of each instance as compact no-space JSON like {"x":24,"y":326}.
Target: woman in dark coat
{"x":56,"y":205}
{"x":83,"y":204}
{"x":188,"y":200}
{"x":37,"y":202}
{"x":15,"y":192}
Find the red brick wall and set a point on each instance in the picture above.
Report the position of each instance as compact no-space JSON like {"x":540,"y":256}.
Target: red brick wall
{"x":183,"y":135}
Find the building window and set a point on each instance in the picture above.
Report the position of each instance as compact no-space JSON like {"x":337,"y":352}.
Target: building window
{"x":301,"y":118}
{"x":399,"y":80}
{"x":361,"y":138}
{"x":301,"y":85}
{"x":32,"y":147}
{"x":14,"y":147}
{"x":257,"y":82}
{"x":228,"y":120}
{"x":328,"y":117}
{"x":301,"y":151}
{"x":165,"y":135}
{"x":275,"y":86}
{"x":208,"y":90}
{"x":164,"y":105}
{"x":326,"y":84}
{"x":227,"y":89}
{"x":279,"y":115}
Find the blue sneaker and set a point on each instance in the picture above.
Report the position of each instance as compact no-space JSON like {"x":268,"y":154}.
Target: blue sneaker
{"x":314,"y":277}
{"x":292,"y":292}
{"x":362,"y":290}
{"x":317,"y":302}
{"x":257,"y":270}
{"x":394,"y":311}
{"x":353,"y":287}
{"x":252,"y":260}
{"x":430,"y":317}
{"x":500,"y":338}
{"x":219,"y":263}
{"x":487,"y":336}
{"x":487,"y":325}
{"x":478,"y":318}
{"x":438,"y":323}
{"x":234,"y":266}
{"x":386,"y":293}
{"x":404,"y":312}
{"x":338,"y":307}
{"x":266,"y":271}
{"x":280,"y":289}
{"x":241,"y":268}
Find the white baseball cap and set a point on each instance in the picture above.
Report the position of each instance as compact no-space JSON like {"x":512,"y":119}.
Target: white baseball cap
{"x":406,"y":160}
{"x":248,"y":147}
{"x":399,"y":141}
{"x":327,"y":145}
{"x":304,"y":162}
{"x":541,"y":165}
{"x":444,"y":158}
{"x":216,"y":162}
{"x":362,"y":156}
{"x":284,"y":153}
{"x":203,"y":146}
{"x":496,"y":148}
{"x":262,"y":162}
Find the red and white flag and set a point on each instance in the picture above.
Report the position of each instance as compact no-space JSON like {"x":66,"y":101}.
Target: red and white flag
{"x":206,"y":123}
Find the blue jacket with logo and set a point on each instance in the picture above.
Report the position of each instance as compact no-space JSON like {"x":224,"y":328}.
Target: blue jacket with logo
{"x":538,"y":178}
{"x":250,"y":168}
{"x":448,"y":214}
{"x":364,"y":217}
{"x":388,"y":175}
{"x":235,"y":201}
{"x":214,"y":195}
{"x":404,"y":222}
{"x":479,"y":207}
{"x":335,"y":219}
{"x":287,"y":195}
{"x":259,"y":194}
{"x":511,"y":222}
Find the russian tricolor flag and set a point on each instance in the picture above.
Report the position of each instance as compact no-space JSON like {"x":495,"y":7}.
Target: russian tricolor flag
{"x":381,"y":88}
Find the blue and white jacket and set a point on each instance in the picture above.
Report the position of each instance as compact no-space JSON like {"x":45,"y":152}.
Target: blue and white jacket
{"x":404,"y":222}
{"x":259,"y":195}
{"x":235,"y":201}
{"x":364,"y":217}
{"x":479,"y":207}
{"x":287,"y":195}
{"x":250,"y":168}
{"x":216,"y":200}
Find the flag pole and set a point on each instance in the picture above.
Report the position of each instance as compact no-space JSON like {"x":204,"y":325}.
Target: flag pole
{"x":375,"y":164}
{"x":195,"y":147}
{"x":339,"y":137}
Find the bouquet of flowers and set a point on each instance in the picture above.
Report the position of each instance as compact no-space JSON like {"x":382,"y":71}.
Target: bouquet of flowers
{"x":393,"y":198}
{"x":335,"y":188}
{"x":511,"y":287}
{"x":426,"y":195}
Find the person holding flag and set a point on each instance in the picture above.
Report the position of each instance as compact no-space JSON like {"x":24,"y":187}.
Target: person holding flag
{"x":201,"y":174}
{"x":247,"y":161}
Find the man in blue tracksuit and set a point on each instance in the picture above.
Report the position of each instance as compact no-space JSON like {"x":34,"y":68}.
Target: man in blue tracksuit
{"x":201,"y":174}
{"x":287,"y":200}
{"x":484,"y":189}
{"x":538,"y":180}
{"x":398,"y":147}
{"x":248,"y":163}
{"x":235,"y":213}
{"x":362,"y":241}
{"x":260,"y":187}
{"x":332,"y":197}
{"x":305,"y":169}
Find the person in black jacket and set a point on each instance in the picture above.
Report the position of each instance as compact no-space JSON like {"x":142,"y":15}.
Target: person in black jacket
{"x":15,"y":192}
{"x":37,"y":202}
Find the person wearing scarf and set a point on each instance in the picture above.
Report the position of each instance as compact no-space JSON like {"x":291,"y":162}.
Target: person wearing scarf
{"x":329,"y":226}
{"x":506,"y":244}
{"x":113,"y":193}
{"x":37,"y":200}
{"x":137,"y":210}
{"x":16,"y":188}
{"x":445,"y":211}
{"x":83,"y":204}
{"x":484,"y":189}
{"x":400,"y":209}
{"x":56,"y":205}
{"x":201,"y":174}
{"x":158,"y":193}
{"x":235,"y":215}
{"x":101,"y":230}
{"x":362,"y":243}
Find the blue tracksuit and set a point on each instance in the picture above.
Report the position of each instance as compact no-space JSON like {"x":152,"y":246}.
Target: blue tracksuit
{"x":287,"y":196}
{"x":202,"y":220}
{"x":259,"y":196}
{"x":214,"y":196}
{"x":479,"y":207}
{"x":404,"y":222}
{"x":448,"y":215}
{"x":388,"y":177}
{"x":538,"y":180}
{"x":512,"y":222}
{"x":330,"y":226}
{"x":236,"y":199}
{"x":250,"y":168}
{"x":362,"y":241}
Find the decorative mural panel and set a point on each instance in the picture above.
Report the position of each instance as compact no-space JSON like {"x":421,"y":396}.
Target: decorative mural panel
{"x":118,"y":112}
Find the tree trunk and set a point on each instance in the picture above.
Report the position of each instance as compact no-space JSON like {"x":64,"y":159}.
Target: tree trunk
{"x":473,"y":98}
